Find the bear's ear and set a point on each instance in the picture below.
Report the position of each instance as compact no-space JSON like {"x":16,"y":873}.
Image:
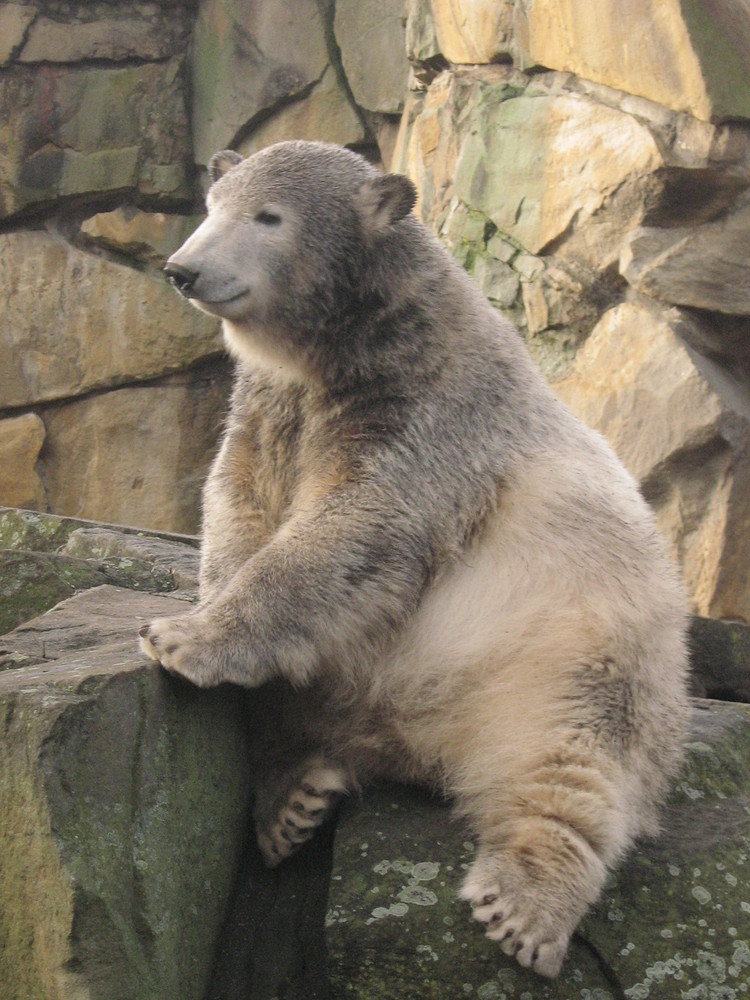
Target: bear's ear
{"x":221,"y":162}
{"x":386,"y":199}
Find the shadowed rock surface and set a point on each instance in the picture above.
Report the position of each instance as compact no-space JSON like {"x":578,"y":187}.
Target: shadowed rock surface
{"x":673,"y":921}
{"x":130,"y":871}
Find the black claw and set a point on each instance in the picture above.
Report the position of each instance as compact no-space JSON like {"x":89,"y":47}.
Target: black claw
{"x":535,"y":956}
{"x":495,"y":919}
{"x":489,"y":898}
{"x":143,"y":631}
{"x":508,"y":934}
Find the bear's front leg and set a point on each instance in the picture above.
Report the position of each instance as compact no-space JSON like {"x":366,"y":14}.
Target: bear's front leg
{"x":199,"y":649}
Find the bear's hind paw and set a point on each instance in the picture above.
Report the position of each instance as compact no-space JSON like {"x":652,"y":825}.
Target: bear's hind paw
{"x":307,"y":805}
{"x":521,"y":931}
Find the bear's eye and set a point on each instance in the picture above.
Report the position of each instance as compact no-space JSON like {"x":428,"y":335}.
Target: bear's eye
{"x":266,"y":218}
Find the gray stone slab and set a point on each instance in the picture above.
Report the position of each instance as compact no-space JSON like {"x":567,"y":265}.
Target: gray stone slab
{"x":673,"y":922}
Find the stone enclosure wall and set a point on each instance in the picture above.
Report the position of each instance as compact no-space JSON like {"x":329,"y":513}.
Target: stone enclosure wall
{"x":588,"y":164}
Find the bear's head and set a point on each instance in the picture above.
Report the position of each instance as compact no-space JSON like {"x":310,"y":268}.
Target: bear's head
{"x":289,"y":246}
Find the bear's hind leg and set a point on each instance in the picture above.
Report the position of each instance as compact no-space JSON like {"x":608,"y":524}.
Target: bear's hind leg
{"x":290,"y":808}
{"x":542,"y":861}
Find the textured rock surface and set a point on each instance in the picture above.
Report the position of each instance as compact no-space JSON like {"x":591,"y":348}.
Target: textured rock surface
{"x":683,"y":431}
{"x":363,"y":27}
{"x":672,"y":922}
{"x":90,"y":129}
{"x":102,"y":31}
{"x":146,"y":236}
{"x":562,"y":163}
{"x":472,"y":31}
{"x":720,"y":655}
{"x":704,"y":266}
{"x":137,"y":455}
{"x":123,"y":794}
{"x":83,"y":322}
{"x":248,"y":58}
{"x":46,"y":559}
{"x":326,"y":115}
{"x":123,"y":813}
{"x":690,"y":56}
{"x":21,"y":439}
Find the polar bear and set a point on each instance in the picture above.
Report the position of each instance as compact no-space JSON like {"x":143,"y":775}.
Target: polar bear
{"x":441,"y":575}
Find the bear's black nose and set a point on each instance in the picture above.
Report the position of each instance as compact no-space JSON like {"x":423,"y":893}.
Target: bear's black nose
{"x":182,"y":278}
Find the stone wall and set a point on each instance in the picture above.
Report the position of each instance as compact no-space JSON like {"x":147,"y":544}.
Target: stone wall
{"x":590,"y":169}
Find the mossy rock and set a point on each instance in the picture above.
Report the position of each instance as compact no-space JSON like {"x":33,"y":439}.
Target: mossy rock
{"x":673,"y":922}
{"x":45,"y":559}
{"x":34,"y":582}
{"x":28,"y":529}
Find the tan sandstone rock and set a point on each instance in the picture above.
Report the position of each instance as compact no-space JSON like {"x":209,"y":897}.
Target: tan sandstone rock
{"x":705,"y":266}
{"x":21,"y":440}
{"x":472,"y":31}
{"x":137,"y":455}
{"x":689,"y":55}
{"x":545,"y":166}
{"x":370,"y":34}
{"x":15,"y":19}
{"x":74,"y":322}
{"x":325,"y":114}
{"x":682,"y":428}
{"x":535,"y":165}
{"x":150,"y":236}
{"x":69,"y":130}
{"x":249,"y":58}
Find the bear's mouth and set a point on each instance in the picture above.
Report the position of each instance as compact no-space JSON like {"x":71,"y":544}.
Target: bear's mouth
{"x":219,"y":307}
{"x":219,"y":302}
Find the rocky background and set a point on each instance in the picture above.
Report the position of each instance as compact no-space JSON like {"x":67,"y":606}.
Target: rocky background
{"x":589,"y":164}
{"x":128,"y":866}
{"x":591,"y":169}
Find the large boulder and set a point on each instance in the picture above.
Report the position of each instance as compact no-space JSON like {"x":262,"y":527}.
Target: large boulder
{"x":137,"y":455}
{"x":534,"y":164}
{"x":124,"y":795}
{"x":365,"y":27}
{"x":45,"y":559}
{"x":21,"y":440}
{"x":123,"y":808}
{"x":325,"y":114}
{"x":76,"y":322}
{"x":248,"y":59}
{"x":538,"y":159}
{"x":689,"y":55}
{"x":150,"y":237}
{"x":682,"y":427}
{"x":704,"y":265}
{"x":144,"y":31}
{"x":91,"y":128}
{"x":471,"y":31}
{"x":673,"y":921}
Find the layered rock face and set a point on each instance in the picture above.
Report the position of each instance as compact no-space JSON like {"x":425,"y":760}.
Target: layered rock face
{"x":129,"y":867}
{"x":591,"y":169}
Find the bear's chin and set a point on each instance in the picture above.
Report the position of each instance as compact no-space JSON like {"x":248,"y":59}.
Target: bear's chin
{"x":257,"y":347}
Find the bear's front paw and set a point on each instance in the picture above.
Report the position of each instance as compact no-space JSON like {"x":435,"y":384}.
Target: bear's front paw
{"x":182,"y":647}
